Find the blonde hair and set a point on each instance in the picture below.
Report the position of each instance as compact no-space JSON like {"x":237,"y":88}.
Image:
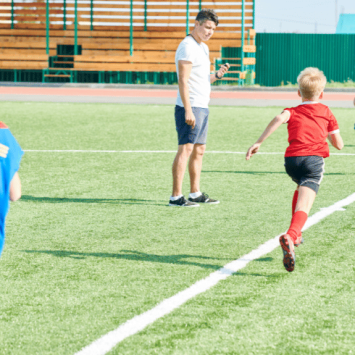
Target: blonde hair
{"x":311,"y":83}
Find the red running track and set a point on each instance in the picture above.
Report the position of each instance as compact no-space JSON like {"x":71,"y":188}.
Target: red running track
{"x":164,"y":93}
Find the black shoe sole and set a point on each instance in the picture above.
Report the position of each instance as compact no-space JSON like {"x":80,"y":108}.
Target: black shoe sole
{"x":207,"y":203}
{"x":173,"y":205}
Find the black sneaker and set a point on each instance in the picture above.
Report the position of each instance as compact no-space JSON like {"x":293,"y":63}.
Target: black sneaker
{"x":204,"y":198}
{"x":182,"y":202}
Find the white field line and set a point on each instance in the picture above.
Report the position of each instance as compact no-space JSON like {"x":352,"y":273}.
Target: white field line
{"x":104,"y":344}
{"x":156,"y":151}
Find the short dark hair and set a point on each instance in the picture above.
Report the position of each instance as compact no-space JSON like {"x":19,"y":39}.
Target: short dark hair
{"x":207,"y":15}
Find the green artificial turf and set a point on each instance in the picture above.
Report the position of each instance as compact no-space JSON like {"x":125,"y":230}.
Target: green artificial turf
{"x":92,"y":243}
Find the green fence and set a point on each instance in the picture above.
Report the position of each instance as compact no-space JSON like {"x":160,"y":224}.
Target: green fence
{"x":281,"y":56}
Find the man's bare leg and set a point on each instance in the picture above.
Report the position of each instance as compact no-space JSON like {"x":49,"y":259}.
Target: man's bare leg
{"x":179,"y":167}
{"x":195,"y":167}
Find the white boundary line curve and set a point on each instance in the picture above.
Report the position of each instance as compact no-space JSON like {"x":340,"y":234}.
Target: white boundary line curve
{"x":157,"y":151}
{"x":108,"y":341}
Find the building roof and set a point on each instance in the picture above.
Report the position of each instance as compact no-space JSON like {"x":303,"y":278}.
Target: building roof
{"x":346,"y":23}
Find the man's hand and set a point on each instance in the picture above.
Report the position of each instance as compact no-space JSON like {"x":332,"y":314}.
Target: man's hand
{"x":223,"y":69}
{"x":252,"y":150}
{"x":190,"y":119}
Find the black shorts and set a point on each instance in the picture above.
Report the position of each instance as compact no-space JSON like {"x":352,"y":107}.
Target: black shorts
{"x":306,"y":171}
{"x":197,"y":135}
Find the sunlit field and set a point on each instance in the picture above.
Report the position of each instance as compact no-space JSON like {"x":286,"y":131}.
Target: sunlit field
{"x":92,"y":242}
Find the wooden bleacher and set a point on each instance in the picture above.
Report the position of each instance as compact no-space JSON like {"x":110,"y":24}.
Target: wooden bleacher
{"x":107,"y":48}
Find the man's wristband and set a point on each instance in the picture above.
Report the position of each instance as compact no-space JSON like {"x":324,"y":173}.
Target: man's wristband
{"x":218,"y":77}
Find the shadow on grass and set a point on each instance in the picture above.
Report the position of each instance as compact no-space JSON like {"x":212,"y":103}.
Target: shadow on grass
{"x":262,"y":172}
{"x":266,"y":259}
{"x":245,"y":172}
{"x":258,"y":275}
{"x":133,"y":255}
{"x":123,"y":201}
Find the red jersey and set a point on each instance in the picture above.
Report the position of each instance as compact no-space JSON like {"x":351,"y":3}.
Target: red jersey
{"x":308,"y":128}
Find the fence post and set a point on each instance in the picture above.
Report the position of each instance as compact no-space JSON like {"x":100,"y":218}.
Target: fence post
{"x":64,"y":15}
{"x":254,"y":14}
{"x":91,"y":14}
{"x":145,"y":15}
{"x":131,"y":31}
{"x":12,"y":14}
{"x":76,"y":28}
{"x":242,"y":53}
{"x":187,"y":17}
{"x":47,"y":27}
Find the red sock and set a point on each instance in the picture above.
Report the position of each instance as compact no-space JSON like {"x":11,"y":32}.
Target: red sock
{"x":298,"y":221}
{"x":294,"y":202}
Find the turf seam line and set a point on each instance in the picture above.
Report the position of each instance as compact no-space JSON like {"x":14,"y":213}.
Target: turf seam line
{"x":157,"y":151}
{"x":108,"y":341}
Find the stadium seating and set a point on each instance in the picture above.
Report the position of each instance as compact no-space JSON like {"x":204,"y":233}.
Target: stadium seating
{"x":103,"y":37}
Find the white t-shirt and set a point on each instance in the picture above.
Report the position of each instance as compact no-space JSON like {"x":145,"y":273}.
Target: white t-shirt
{"x":199,"y":81}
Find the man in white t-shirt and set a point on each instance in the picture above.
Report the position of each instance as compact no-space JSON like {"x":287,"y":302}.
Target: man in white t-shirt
{"x":192,"y":61}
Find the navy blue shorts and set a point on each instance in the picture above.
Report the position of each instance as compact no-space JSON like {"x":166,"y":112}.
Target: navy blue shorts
{"x":306,"y":171}
{"x":186,"y":134}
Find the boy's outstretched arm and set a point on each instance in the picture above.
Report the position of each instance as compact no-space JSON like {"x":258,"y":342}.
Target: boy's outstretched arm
{"x":336,"y":140}
{"x":272,"y":127}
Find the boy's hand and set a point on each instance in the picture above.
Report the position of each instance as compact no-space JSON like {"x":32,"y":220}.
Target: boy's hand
{"x":252,"y":150}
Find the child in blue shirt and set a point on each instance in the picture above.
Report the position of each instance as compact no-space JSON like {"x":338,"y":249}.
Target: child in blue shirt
{"x":10,"y":184}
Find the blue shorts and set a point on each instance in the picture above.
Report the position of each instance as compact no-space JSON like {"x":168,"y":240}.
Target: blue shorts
{"x":186,"y":134}
{"x":306,"y":171}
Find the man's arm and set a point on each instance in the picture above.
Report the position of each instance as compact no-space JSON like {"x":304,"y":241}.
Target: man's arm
{"x":222,"y":70}
{"x":335,"y":140}
{"x":272,"y":127}
{"x":15,"y":187}
{"x":184,"y":75}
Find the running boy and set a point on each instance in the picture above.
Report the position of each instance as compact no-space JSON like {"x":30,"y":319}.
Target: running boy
{"x":309,"y":124}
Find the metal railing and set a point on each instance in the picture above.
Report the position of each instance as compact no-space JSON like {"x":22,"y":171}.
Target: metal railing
{"x":79,"y":13}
